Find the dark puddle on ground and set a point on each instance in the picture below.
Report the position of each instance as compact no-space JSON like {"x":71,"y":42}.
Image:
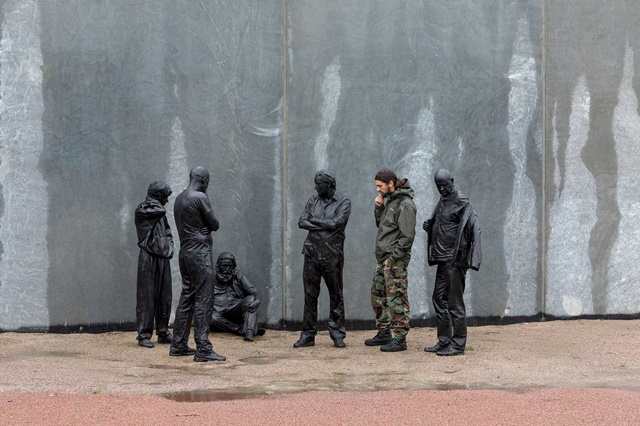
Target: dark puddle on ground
{"x":207,"y":396}
{"x":335,"y":386}
{"x":59,"y":354}
{"x":43,"y":354}
{"x":257,"y":360}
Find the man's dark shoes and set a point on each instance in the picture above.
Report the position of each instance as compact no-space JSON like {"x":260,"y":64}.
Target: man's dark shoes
{"x":304,"y":342}
{"x":450,"y":351}
{"x":382,"y":338}
{"x":248,"y":336}
{"x":186,"y":351}
{"x":395,"y":345}
{"x":339,"y":343}
{"x":211,"y":356}
{"x":435,"y":348}
{"x":145,"y":343}
{"x":261,"y":331}
{"x":166,"y":339}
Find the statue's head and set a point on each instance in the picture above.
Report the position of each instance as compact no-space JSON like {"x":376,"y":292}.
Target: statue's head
{"x":199,"y":178}
{"x":160,"y":191}
{"x":325,"y":184}
{"x":444,"y":182}
{"x":225,"y":265}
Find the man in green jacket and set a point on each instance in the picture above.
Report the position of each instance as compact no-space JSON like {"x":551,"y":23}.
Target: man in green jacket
{"x":395,"y":214}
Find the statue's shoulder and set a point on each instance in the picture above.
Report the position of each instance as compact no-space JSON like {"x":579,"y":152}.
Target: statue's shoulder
{"x":199,"y":197}
{"x":341,"y":197}
{"x":463,"y":198}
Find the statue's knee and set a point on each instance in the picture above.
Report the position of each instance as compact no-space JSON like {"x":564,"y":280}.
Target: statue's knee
{"x":251,"y":303}
{"x":216,"y":317}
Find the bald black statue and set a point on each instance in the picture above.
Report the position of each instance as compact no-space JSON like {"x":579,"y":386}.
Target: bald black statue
{"x":453,"y":234}
{"x":325,"y":217}
{"x":235,"y":303}
{"x":195,"y":222}
{"x":153,"y":294}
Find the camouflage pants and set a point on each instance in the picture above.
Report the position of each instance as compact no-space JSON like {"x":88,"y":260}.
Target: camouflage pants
{"x":390,"y":298}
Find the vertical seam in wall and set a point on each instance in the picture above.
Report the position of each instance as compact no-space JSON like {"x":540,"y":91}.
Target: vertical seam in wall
{"x":544,"y":226}
{"x":285,"y":134}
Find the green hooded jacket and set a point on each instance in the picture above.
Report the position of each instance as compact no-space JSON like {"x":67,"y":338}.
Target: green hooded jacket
{"x":396,"y":222}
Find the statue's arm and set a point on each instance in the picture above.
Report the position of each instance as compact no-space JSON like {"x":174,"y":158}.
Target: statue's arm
{"x":340,"y":218}
{"x":207,"y":212}
{"x":246,"y":285}
{"x":304,"y":222}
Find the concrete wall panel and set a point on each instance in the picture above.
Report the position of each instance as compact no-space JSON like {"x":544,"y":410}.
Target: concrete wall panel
{"x":99,"y":98}
{"x":591,"y":157}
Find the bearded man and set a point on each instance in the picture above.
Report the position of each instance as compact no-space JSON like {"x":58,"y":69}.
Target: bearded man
{"x":395,"y":215}
{"x":235,"y":305}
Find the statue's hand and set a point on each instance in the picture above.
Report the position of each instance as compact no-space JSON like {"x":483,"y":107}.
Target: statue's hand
{"x":426,"y":225}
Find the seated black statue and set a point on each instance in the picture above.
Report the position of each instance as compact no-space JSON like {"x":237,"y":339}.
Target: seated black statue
{"x":235,"y":305}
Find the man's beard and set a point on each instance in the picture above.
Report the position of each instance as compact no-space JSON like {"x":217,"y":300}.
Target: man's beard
{"x":224,"y":277}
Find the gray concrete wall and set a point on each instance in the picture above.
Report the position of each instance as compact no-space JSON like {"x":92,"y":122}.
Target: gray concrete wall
{"x":592,"y":157}
{"x":99,"y":98}
{"x":417,"y":86}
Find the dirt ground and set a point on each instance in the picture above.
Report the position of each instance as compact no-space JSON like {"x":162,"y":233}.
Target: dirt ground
{"x":574,"y":372}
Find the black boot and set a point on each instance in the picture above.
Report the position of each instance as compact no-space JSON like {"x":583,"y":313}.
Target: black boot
{"x":396,"y":345}
{"x":305,"y":341}
{"x":338,"y":342}
{"x":145,"y":343}
{"x":450,"y":351}
{"x":435,"y":348}
{"x":185,"y":351}
{"x":382,"y":338}
{"x":211,"y":356}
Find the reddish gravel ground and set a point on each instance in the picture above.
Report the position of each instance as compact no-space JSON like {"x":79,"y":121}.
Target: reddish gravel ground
{"x":563,"y":372}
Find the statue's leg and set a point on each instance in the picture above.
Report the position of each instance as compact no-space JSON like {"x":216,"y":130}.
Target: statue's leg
{"x":164,"y":292}
{"x":441,"y":305}
{"x":250,"y":313}
{"x":184,"y":310}
{"x":226,"y":320}
{"x":332,"y":275}
{"x":145,"y":295}
{"x":311,"y":276}
{"x":203,"y":276}
{"x":456,"y":279}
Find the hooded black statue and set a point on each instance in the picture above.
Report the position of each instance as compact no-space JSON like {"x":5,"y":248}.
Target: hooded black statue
{"x":235,"y":305}
{"x":153,"y":296}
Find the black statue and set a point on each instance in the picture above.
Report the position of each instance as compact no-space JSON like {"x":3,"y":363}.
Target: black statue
{"x":235,"y":305}
{"x":325,"y":217}
{"x":453,"y":234}
{"x":153,"y":296}
{"x":195,"y":222}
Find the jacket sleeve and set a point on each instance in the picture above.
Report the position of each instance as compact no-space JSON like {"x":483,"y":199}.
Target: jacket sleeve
{"x":377,"y":212}
{"x":474,"y":257}
{"x":147,"y":214}
{"x":303,"y":222}
{"x":407,"y":228}
{"x":339,"y":220}
{"x":246,"y":285}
